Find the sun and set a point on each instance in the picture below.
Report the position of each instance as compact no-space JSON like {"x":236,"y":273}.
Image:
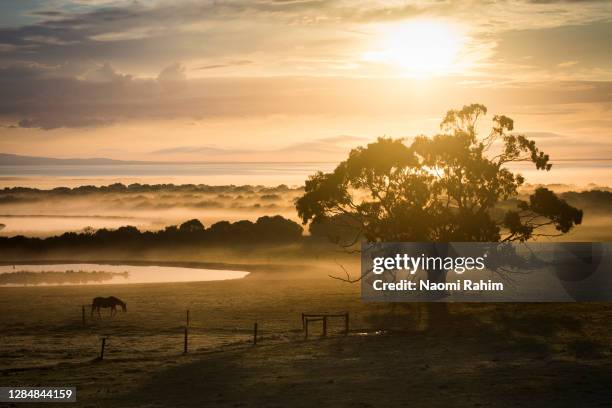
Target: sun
{"x":418,"y":48}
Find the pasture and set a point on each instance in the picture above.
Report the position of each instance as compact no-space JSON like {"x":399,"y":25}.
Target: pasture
{"x":402,"y":355}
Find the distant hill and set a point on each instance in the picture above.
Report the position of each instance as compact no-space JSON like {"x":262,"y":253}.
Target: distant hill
{"x":7,"y":159}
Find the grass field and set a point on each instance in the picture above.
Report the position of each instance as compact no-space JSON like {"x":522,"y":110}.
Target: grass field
{"x":43,"y":325}
{"x":403,"y":355}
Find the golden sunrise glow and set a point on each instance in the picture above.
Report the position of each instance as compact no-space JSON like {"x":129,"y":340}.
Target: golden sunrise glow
{"x":419,"y":48}
{"x":296,"y":81}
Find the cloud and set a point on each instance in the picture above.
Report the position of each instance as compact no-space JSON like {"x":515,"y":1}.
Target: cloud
{"x":51,"y":97}
{"x":544,"y":135}
{"x":49,"y":122}
{"x":559,"y":47}
{"x":20,"y":71}
{"x":284,"y":37}
{"x":564,"y":1}
{"x":567,"y":64}
{"x":225,"y":65}
{"x":91,"y":63}
{"x":154,"y":32}
{"x":104,"y":73}
{"x":174,"y":72}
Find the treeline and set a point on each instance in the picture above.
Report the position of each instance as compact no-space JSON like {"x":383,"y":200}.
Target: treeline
{"x":592,"y":201}
{"x":265,"y":230}
{"x":150,"y":188}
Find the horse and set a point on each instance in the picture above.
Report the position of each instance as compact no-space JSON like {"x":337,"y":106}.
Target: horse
{"x":104,"y":302}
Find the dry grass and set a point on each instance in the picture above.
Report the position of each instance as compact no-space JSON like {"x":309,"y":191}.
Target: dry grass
{"x":463,"y":355}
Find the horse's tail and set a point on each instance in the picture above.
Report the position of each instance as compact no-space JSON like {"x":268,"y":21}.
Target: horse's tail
{"x":93,"y":303}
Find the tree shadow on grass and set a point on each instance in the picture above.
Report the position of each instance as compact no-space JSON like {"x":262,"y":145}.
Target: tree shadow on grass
{"x":490,"y":355}
{"x":370,"y":371}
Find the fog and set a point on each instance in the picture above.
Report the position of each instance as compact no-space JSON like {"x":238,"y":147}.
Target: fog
{"x":34,"y":212}
{"x":46,"y":212}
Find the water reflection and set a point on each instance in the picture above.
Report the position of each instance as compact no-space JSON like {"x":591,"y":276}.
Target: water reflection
{"x":135,"y":274}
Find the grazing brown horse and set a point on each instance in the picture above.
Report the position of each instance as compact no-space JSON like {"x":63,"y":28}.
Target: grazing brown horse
{"x":104,"y":302}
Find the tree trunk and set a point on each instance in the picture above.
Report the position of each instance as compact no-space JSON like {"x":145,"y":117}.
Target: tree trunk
{"x":435,"y":314}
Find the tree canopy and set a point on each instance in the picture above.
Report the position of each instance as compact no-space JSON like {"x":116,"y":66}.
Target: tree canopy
{"x":448,"y":187}
{"x":266,"y":230}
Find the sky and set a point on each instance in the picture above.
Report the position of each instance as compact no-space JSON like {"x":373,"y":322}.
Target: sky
{"x":296,"y":80}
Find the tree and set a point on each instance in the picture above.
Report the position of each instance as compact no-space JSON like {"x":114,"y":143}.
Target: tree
{"x":448,"y":187}
{"x":339,"y":229}
{"x":192,"y":226}
{"x":277,"y":228}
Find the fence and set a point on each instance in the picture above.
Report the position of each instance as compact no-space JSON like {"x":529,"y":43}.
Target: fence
{"x":306,"y":318}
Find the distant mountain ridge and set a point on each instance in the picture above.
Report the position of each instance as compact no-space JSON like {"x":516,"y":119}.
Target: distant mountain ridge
{"x":7,"y":159}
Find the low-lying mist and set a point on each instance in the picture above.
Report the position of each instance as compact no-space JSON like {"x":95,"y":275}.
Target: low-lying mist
{"x":153,"y":207}
{"x":34,"y":212}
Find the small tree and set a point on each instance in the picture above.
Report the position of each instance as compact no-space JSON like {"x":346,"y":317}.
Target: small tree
{"x":445,"y":188}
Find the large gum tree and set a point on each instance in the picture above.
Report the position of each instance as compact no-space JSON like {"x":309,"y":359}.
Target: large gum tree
{"x":454,"y":186}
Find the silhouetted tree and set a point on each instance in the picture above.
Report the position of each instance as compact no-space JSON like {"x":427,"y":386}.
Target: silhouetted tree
{"x":339,"y":229}
{"x":275,"y":229}
{"x":438,"y":189}
{"x":191,"y":226}
{"x":221,"y":229}
{"x":441,"y":188}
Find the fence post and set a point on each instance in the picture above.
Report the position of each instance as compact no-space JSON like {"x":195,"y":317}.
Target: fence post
{"x":102,"y":348}
{"x":187,"y":318}
{"x":185,"y":342}
{"x":346,"y":323}
{"x":306,"y":329}
{"x":255,"y":334}
{"x":83,"y":314}
{"x":324,"y":326}
{"x":303,"y":324}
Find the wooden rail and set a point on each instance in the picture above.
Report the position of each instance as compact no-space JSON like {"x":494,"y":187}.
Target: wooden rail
{"x":322,"y":317}
{"x":307,"y":318}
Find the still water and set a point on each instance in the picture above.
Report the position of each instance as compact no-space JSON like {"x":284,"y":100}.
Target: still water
{"x":294,"y":174}
{"x":135,"y":274}
{"x":41,"y":176}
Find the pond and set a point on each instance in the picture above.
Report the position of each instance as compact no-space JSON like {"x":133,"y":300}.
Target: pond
{"x":79,"y":274}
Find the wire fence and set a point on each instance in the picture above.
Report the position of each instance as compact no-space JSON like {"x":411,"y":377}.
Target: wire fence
{"x":96,"y":338}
